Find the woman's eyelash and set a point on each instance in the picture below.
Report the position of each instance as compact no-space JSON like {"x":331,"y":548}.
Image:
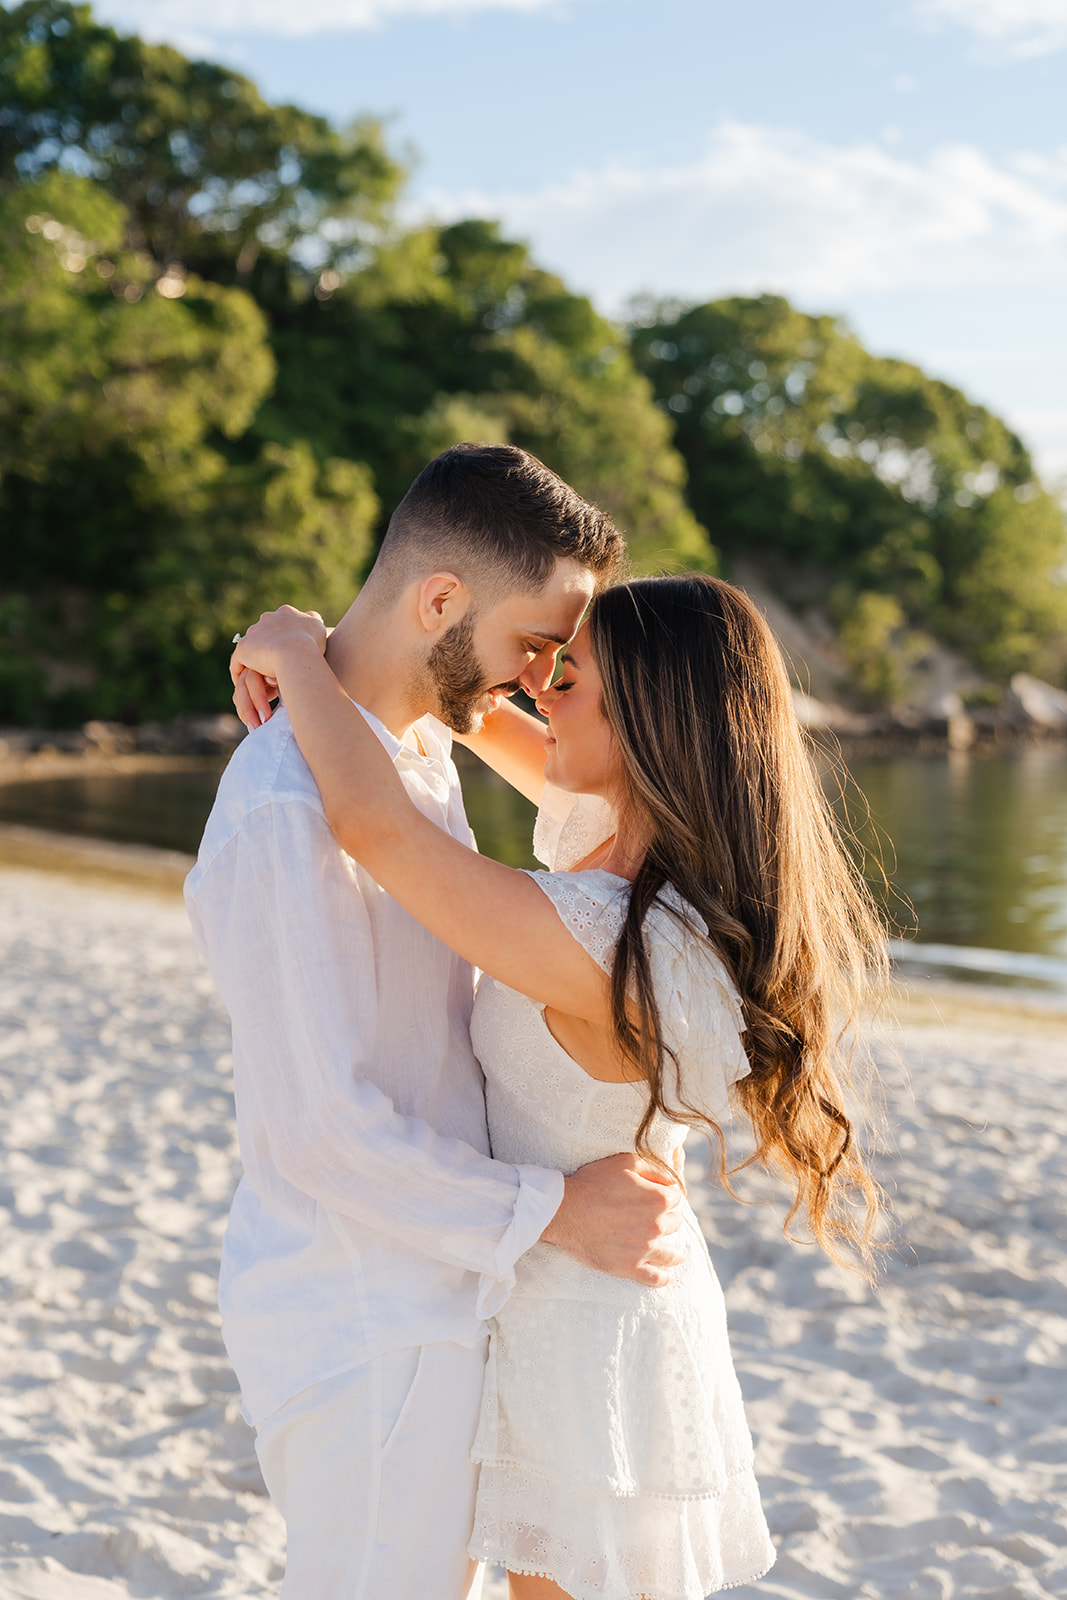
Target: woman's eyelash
{"x":561,"y":687}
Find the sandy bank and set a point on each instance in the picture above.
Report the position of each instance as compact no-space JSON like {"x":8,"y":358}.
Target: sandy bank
{"x":98,"y":862}
{"x":911,"y":1441}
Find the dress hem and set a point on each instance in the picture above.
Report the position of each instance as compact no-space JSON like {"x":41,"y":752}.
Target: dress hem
{"x":485,"y":1554}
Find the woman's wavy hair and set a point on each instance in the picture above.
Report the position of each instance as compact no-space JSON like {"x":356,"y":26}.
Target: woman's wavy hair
{"x":717,"y":775}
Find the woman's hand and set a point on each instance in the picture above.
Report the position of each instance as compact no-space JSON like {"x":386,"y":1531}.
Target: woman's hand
{"x":259,"y":655}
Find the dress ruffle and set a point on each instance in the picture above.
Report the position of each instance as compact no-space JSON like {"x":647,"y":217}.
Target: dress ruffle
{"x":569,"y":827}
{"x":629,"y":1548}
{"x":700,"y":1012}
{"x":625,"y":1468}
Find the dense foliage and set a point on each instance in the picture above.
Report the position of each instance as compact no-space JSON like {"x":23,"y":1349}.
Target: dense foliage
{"x":135,"y":541}
{"x":454,"y":333}
{"x":222,"y":362}
{"x":920,"y":508}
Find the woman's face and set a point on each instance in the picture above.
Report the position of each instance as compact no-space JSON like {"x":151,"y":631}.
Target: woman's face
{"x":581,"y":752}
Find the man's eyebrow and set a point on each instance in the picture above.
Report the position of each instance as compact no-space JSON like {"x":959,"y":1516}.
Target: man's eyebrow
{"x":549,"y":638}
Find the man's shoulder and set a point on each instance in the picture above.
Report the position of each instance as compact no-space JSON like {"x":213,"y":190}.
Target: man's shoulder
{"x":267,"y":767}
{"x":266,"y":770}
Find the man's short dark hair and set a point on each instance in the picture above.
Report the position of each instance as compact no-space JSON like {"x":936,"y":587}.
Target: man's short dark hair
{"x":500,"y":519}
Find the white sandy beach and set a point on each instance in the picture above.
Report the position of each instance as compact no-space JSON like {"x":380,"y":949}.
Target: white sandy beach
{"x":911,"y":1441}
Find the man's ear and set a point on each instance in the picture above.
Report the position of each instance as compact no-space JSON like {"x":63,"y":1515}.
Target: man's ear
{"x":443,"y":599}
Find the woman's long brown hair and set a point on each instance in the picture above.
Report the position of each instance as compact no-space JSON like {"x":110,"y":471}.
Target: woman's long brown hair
{"x":717,"y":775}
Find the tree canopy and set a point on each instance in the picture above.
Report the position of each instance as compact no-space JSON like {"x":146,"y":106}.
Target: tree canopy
{"x":136,"y":539}
{"x":222,"y":361}
{"x":454,"y":332}
{"x":208,"y":172}
{"x":892,"y":483}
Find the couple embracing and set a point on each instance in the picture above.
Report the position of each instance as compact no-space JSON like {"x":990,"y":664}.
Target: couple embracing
{"x":469,"y":1306}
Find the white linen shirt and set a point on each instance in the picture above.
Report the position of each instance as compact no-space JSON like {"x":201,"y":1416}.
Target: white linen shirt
{"x":370,"y":1216}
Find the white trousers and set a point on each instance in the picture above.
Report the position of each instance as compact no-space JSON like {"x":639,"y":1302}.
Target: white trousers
{"x":372,"y":1472}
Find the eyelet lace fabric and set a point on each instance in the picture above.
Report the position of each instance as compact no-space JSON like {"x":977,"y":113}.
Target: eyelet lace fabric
{"x":614,"y":1454}
{"x":569,"y":827}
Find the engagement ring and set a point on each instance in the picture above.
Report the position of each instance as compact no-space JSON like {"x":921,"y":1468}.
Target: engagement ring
{"x":236,"y":639}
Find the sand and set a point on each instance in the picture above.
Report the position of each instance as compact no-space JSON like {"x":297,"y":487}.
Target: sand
{"x":911,"y":1441}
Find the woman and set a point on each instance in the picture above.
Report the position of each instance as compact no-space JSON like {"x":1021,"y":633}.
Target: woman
{"x":700,"y":932}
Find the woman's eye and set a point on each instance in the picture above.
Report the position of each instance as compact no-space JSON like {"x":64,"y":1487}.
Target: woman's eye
{"x":561,"y":687}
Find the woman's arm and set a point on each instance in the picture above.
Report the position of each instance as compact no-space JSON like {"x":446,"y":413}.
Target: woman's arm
{"x":512,"y":742}
{"x":494,"y":916}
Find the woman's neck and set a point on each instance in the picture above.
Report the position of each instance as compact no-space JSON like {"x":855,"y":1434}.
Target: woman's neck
{"x":621,"y":854}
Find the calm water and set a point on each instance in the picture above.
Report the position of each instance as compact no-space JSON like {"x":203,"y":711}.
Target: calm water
{"x":978,"y":846}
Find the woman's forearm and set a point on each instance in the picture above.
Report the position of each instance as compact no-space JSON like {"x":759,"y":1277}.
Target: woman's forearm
{"x":361,"y":791}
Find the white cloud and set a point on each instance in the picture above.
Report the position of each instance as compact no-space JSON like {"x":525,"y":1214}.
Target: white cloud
{"x":199,"y":20}
{"x":772,"y":209}
{"x":1027,"y":27}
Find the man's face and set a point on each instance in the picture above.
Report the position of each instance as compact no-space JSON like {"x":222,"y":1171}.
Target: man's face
{"x":488,"y":655}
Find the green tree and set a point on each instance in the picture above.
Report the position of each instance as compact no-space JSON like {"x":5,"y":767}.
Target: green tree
{"x":210,"y":174}
{"x":133,"y":541}
{"x":797,"y":439}
{"x":450,"y":331}
{"x":880,"y":648}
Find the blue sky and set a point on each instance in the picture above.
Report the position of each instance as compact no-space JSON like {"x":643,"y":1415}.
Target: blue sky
{"x":903,"y":162}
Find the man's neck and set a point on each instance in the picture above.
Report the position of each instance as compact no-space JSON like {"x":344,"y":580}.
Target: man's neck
{"x":362,"y":651}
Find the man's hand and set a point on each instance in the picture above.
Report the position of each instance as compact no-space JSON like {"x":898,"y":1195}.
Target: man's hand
{"x":620,"y":1215}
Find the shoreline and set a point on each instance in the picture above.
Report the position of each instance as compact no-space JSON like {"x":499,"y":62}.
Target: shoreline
{"x":94,"y":862}
{"x":35,"y":765}
{"x":200,"y":741}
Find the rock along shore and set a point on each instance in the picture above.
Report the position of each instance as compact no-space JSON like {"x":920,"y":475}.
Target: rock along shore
{"x":115,"y":746}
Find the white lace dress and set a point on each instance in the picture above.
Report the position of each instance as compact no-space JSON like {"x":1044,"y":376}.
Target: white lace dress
{"x":613,"y":1449}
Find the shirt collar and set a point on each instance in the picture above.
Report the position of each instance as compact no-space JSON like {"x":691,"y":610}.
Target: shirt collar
{"x":394,"y":746}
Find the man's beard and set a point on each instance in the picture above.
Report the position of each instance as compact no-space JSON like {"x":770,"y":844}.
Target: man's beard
{"x":459,"y":679}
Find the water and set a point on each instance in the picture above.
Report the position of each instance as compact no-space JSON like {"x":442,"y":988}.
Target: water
{"x":169,"y":809}
{"x":978,"y":851}
{"x":977,"y":862}
{"x":164,"y":809}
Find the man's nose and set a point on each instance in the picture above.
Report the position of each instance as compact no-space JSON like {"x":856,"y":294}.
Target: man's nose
{"x":537,"y":677}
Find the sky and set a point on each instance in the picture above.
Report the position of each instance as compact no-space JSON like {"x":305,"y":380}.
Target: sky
{"x":902,"y":163}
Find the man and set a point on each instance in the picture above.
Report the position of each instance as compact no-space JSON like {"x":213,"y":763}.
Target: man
{"x":372,"y":1234}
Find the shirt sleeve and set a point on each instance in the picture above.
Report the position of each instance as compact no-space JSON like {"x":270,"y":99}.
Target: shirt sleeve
{"x":305,"y":1014}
